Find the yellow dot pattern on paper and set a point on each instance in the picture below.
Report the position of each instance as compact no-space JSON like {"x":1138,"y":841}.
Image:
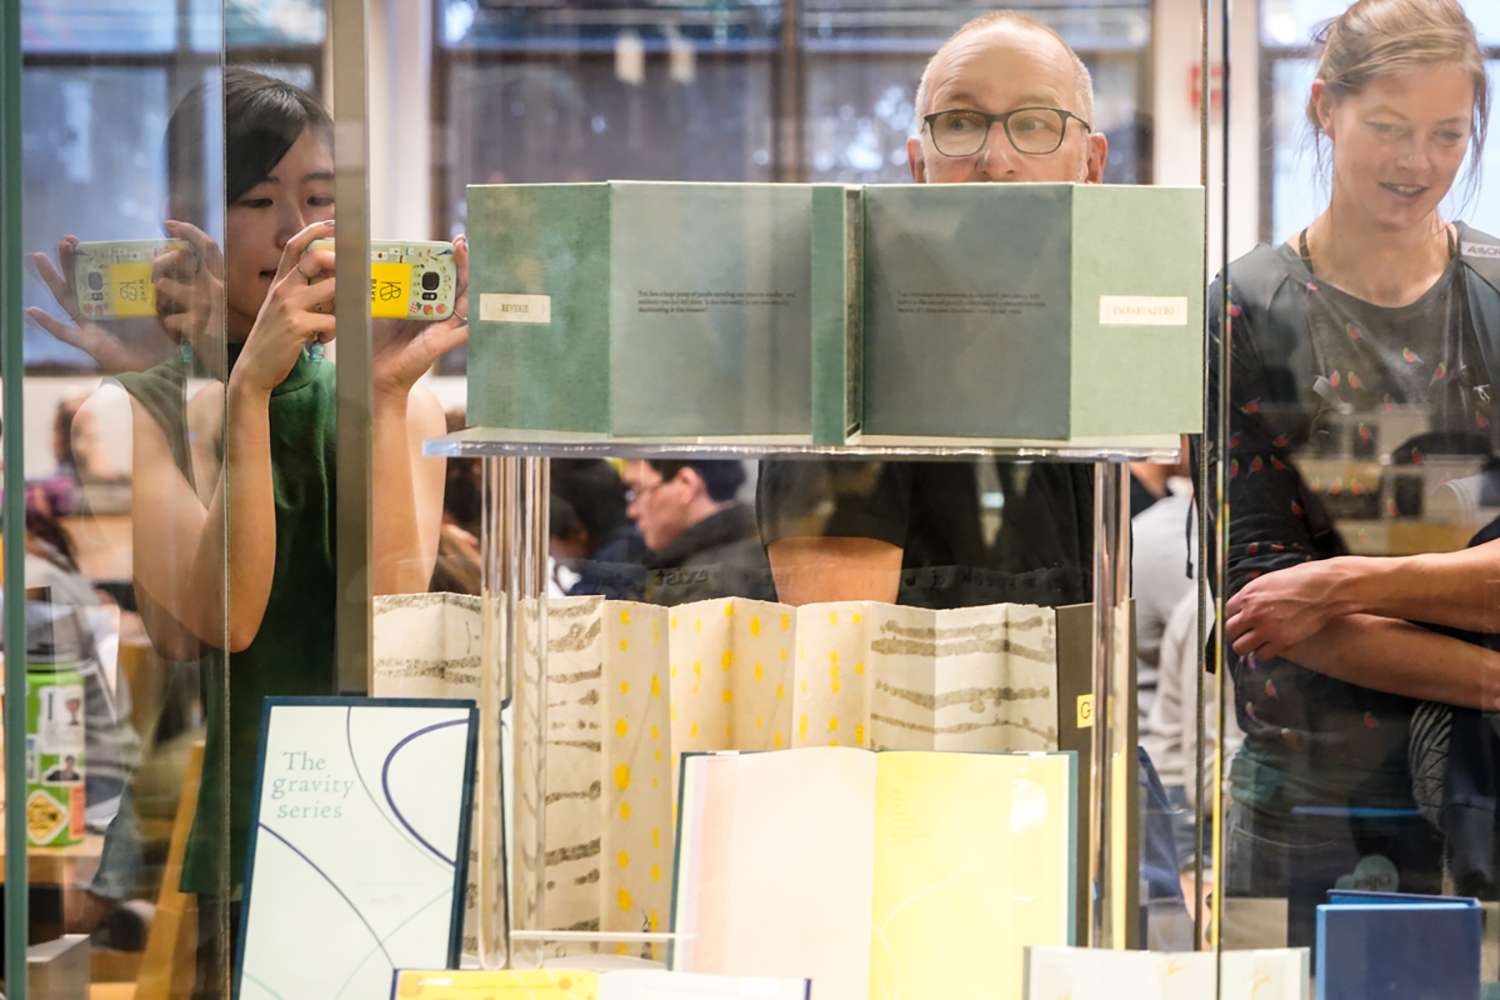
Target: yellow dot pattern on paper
{"x":728,"y":730}
{"x":674,"y":623}
{"x":802,"y":728}
{"x":760,"y":672}
{"x":856,"y":618}
{"x":694,"y":731}
{"x":755,"y":627}
{"x":656,"y":873}
{"x":655,"y":783}
{"x":624,"y":860}
{"x":620,"y":727}
{"x":656,"y":685}
{"x":624,"y":687}
{"x":622,"y":777}
{"x":833,"y":725}
{"x":727,"y":660}
{"x":834,"y":671}
{"x":655,"y":732}
{"x":625,"y":616}
{"x":759,"y":723}
{"x":786,"y":622}
{"x":656,"y":838}
{"x":658,"y":756}
{"x":624,"y":810}
{"x":620,"y":949}
{"x":698,"y":669}
{"x":726,"y":696}
{"x":655,"y":633}
{"x":804,"y":687}
{"x":783,"y":655}
{"x":625,"y":900}
{"x":833,"y":619}
{"x":781,"y":690}
{"x":728,"y":608}
{"x":698,"y":626}
{"x":674,"y":671}
{"x":695,"y":689}
{"x":624,"y":645}
{"x":777,"y":742}
{"x":859,"y":735}
{"x":672,"y":713}
{"x":653,"y":921}
{"x":859,"y":667}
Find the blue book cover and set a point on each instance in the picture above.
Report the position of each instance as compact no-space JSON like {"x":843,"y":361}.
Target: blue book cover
{"x":1409,"y":947}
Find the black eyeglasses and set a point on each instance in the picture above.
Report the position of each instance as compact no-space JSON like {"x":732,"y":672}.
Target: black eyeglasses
{"x":631,"y":496}
{"x":1033,"y":131}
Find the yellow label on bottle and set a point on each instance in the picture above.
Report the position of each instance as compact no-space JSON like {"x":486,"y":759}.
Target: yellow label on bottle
{"x":135,"y":295}
{"x":390,"y":290}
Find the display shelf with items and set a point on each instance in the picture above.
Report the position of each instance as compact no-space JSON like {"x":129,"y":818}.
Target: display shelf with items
{"x":595,"y":742}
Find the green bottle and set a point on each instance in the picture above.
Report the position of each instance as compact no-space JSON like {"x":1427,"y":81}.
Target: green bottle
{"x":55,"y":725}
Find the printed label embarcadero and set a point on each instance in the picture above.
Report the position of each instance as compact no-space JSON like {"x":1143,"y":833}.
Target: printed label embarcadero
{"x":1143,"y":310}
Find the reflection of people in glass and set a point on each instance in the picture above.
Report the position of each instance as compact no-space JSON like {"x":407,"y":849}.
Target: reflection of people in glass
{"x":256,"y":447}
{"x":1370,"y":333}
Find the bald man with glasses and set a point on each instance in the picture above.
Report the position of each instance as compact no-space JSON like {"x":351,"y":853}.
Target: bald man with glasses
{"x":1005,"y":99}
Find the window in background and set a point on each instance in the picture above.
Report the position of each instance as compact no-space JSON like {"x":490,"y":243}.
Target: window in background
{"x":1294,"y":185}
{"x":99,"y":81}
{"x":864,"y":61}
{"x":550,"y":92}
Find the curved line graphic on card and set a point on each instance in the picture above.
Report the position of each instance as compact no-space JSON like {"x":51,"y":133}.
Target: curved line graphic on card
{"x":385,"y":782}
{"x":401,"y":832}
{"x":313,"y":865}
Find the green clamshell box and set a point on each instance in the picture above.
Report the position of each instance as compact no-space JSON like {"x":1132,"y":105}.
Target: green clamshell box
{"x":1033,"y":311}
{"x":640,"y":309}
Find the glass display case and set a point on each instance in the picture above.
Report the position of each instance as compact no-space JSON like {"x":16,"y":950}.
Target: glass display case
{"x":697,"y":358}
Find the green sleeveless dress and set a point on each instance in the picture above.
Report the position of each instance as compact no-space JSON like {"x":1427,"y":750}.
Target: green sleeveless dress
{"x":293,"y":653}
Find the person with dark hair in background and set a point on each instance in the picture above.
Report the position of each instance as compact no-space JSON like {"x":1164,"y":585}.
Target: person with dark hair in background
{"x":704,"y":543}
{"x":592,"y":536}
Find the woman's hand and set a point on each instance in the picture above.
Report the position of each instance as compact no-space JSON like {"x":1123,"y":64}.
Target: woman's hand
{"x":190,"y":291}
{"x":405,"y":349}
{"x":286,"y":322}
{"x":1276,"y":611}
{"x":110,"y":352}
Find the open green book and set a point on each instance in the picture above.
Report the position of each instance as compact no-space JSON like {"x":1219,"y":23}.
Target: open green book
{"x":902,"y":874}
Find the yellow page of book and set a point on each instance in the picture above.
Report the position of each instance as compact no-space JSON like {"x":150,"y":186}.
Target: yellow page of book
{"x":530,"y":984}
{"x":973,"y":861}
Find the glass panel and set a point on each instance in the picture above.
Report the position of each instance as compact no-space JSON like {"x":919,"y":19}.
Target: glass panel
{"x":141,"y":725}
{"x":1361,"y":425}
{"x":673,"y":518}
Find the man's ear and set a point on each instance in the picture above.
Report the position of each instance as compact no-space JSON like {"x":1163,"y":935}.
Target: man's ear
{"x":914,"y":159}
{"x":1098,"y":156}
{"x":693,"y":481}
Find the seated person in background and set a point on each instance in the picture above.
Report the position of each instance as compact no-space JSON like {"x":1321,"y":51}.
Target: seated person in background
{"x":954,"y":534}
{"x":598,"y":548}
{"x":703,"y":541}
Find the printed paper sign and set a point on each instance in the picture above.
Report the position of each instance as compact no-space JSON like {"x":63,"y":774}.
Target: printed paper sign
{"x":1143,"y":310}
{"x":361,"y":811}
{"x":497,"y":308}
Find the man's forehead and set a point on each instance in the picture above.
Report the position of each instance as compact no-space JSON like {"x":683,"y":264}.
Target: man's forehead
{"x":1014,"y":65}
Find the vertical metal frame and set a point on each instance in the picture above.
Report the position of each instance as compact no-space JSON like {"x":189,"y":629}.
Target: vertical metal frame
{"x":16,"y":917}
{"x":354,"y":466}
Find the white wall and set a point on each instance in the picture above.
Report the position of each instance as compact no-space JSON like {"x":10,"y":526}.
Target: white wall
{"x":1177,"y":151}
